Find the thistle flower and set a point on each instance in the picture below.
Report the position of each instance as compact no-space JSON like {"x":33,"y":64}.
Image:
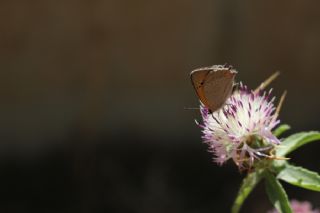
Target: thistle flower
{"x":299,"y":207}
{"x":241,"y":130}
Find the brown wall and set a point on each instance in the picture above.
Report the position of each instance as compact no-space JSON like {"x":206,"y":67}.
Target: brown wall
{"x":115,"y":72}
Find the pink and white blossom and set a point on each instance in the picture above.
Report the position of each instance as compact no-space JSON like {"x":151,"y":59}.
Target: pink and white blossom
{"x":242,"y":129}
{"x":299,"y":207}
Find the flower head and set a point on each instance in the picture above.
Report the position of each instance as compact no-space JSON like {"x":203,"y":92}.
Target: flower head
{"x":241,"y":130}
{"x":299,"y":207}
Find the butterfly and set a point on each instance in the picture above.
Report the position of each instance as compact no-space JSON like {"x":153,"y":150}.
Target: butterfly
{"x":213,"y":85}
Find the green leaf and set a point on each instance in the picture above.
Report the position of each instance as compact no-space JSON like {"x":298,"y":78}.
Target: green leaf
{"x":300,"y":177}
{"x":294,"y":141}
{"x":247,"y":186}
{"x":281,"y":129}
{"x":277,"y":194}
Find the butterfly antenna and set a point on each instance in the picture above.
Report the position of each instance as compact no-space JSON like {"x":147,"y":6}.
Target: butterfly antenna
{"x":191,"y":108}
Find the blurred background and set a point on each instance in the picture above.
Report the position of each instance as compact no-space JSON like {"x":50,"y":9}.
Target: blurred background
{"x":93,"y":96}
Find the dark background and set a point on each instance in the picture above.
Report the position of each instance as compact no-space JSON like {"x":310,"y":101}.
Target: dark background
{"x":93,"y":96}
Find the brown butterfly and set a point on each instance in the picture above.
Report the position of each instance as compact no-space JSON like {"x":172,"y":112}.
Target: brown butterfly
{"x":213,"y":85}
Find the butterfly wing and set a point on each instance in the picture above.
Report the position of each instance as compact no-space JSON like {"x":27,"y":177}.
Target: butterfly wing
{"x":213,"y":85}
{"x":198,"y":77}
{"x":218,"y":88}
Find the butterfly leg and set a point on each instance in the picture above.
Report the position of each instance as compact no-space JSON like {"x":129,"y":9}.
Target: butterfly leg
{"x":216,"y":119}
{"x":235,"y":87}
